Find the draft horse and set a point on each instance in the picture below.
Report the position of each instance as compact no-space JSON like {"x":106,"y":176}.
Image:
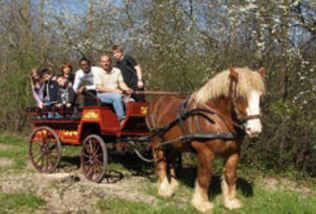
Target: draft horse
{"x":211,"y":123}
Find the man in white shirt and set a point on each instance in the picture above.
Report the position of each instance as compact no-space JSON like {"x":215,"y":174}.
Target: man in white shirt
{"x":84,"y":76}
{"x":110,"y":85}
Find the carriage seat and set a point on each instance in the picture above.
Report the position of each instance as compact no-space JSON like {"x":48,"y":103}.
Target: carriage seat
{"x":53,"y":113}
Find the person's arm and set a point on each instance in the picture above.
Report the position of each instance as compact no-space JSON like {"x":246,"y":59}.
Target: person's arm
{"x":124,"y":87}
{"x":72,"y":95}
{"x":37,"y":97}
{"x":59,"y":96}
{"x":140,"y":82}
{"x":77,"y":82}
{"x":101,"y":88}
{"x":54,"y":91}
{"x":95,"y":74}
{"x":91,"y":87}
{"x":132,"y":62}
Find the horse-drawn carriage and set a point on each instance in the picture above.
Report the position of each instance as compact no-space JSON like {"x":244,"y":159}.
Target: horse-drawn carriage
{"x":211,"y":122}
{"x":93,"y":126}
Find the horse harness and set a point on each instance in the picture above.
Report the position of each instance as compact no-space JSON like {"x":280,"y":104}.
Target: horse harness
{"x":183,"y":113}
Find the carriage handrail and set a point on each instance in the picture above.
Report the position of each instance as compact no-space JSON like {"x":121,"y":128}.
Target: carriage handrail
{"x":147,"y":92}
{"x":151,"y":92}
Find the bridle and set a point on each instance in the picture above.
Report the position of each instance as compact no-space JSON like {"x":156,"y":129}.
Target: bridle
{"x":233,"y":93}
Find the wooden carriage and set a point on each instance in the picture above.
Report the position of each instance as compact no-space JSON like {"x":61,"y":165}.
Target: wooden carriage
{"x":93,"y":127}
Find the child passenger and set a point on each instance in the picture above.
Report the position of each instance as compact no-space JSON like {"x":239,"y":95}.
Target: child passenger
{"x":66,"y":70}
{"x":66,"y":94}
{"x":50,"y":92}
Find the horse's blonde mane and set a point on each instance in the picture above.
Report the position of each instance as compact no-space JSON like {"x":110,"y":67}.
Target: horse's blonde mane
{"x":218,"y":86}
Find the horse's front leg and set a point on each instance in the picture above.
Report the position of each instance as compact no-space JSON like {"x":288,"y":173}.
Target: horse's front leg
{"x":229,"y":183}
{"x":163,"y":186}
{"x":200,"y":198}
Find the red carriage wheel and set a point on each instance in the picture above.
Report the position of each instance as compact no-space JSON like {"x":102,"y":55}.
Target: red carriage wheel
{"x":45,"y":149}
{"x":94,"y":158}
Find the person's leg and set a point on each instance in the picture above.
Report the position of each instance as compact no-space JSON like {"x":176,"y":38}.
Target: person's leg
{"x":118,"y":106}
{"x":116,"y":100}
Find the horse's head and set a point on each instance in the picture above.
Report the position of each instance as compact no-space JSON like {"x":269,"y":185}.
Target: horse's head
{"x":247,"y":89}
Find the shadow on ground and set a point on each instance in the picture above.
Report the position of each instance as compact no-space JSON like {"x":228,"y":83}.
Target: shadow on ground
{"x":137,"y":167}
{"x":128,"y":160}
{"x":187,"y":176}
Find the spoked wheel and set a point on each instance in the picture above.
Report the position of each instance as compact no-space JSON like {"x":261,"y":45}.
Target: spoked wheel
{"x":45,"y":149}
{"x":94,"y":158}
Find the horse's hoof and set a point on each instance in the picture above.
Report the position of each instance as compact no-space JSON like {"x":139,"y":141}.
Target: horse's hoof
{"x":203,"y":207}
{"x":233,"y":204}
{"x":174,"y":184}
{"x":165,"y":189}
{"x":165,"y":193}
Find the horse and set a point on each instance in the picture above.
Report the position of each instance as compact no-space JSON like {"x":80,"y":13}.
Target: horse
{"x":211,"y":122}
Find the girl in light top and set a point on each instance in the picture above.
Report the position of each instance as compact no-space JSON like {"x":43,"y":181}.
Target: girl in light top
{"x":37,"y":87}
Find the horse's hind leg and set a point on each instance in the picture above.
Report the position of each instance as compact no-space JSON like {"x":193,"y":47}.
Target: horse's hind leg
{"x":171,"y":160}
{"x":200,"y":198}
{"x":163,"y":186}
{"x":229,"y":183}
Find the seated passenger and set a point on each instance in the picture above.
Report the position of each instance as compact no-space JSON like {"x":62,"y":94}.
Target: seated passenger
{"x":84,"y":76}
{"x":131,"y":71}
{"x":110,"y":86}
{"x":66,"y":71}
{"x":66,"y":94}
{"x":50,"y":91}
{"x":84,"y":80}
{"x":37,"y":87}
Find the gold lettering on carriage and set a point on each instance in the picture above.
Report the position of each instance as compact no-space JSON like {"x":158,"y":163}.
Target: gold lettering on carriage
{"x":70,"y":133}
{"x":143,"y":109}
{"x":91,"y":115}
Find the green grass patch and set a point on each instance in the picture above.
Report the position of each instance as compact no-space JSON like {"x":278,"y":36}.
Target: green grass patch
{"x":71,"y":150}
{"x":19,"y":203}
{"x":263,"y":202}
{"x":116,"y":166}
{"x":122,"y":206}
{"x":15,"y":148}
{"x":267,"y":202}
{"x":13,"y":139}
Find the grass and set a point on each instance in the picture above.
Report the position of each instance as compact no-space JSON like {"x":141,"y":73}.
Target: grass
{"x":263,"y":202}
{"x":19,"y":203}
{"x":15,"y":149}
{"x":269,"y":202}
{"x":255,"y":195}
{"x":122,"y":206}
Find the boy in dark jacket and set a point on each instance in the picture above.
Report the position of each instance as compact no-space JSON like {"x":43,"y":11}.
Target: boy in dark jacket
{"x":50,"y":91}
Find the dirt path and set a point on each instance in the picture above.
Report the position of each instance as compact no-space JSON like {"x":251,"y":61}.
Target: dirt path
{"x":70,"y":192}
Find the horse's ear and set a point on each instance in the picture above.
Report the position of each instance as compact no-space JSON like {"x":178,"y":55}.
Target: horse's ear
{"x":262,"y":71}
{"x":233,"y":74}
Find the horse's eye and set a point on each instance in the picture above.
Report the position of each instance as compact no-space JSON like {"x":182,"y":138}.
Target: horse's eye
{"x":241,"y":98}
{"x":261,"y":100}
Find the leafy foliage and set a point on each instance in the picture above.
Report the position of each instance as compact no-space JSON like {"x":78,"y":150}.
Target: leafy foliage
{"x":179,"y":44}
